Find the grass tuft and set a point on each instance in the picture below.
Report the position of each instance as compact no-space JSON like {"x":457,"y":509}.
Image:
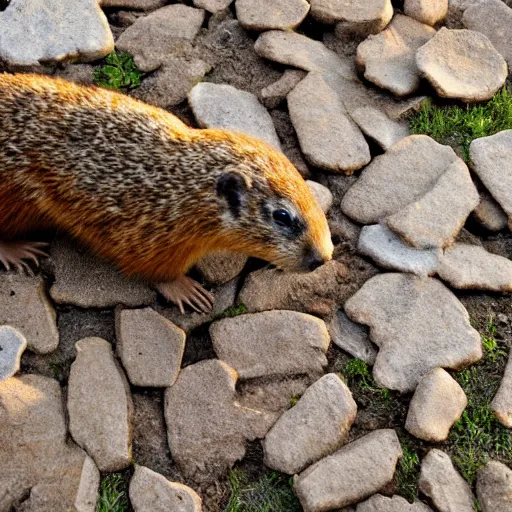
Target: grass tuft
{"x":407,"y":473}
{"x":357,"y":373}
{"x":232,"y":311}
{"x":113,"y":496}
{"x":120,"y":72}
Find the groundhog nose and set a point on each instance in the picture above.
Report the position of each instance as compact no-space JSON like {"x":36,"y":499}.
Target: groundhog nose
{"x":313,"y":261}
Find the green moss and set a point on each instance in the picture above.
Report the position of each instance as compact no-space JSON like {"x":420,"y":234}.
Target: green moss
{"x":119,"y":72}
{"x":232,"y":311}
{"x":113,"y":496}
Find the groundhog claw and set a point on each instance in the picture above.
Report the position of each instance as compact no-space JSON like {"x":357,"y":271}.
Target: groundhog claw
{"x":13,"y":254}
{"x":186,"y":290}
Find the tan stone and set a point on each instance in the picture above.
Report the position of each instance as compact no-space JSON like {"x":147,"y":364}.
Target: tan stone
{"x":271,"y":14}
{"x":221,"y":267}
{"x":494,"y":487}
{"x":502,"y":402}
{"x":429,"y":12}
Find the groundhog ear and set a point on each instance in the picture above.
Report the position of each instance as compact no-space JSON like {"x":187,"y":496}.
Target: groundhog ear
{"x":232,"y":187}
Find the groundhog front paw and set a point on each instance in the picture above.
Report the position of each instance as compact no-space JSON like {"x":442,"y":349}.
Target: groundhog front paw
{"x":185,"y":290}
{"x":13,"y":254}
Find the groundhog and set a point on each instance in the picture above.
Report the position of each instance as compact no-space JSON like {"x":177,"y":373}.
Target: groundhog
{"x":140,"y":188}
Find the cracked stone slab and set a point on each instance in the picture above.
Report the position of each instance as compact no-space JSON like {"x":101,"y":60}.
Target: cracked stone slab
{"x":388,"y":58}
{"x":207,"y":428}
{"x":489,"y":213}
{"x":494,"y":487}
{"x":220,"y":267}
{"x":491,"y":159}
{"x":328,"y":138}
{"x":153,"y":38}
{"x":440,"y":481}
{"x":316,"y":426}
{"x":414,"y":343}
{"x":152,"y":492}
{"x":38,"y":465}
{"x":271,"y":14}
{"x":41,"y":31}
{"x":24,"y":305}
{"x":150,"y":347}
{"x":224,"y":106}
{"x":88,"y":282}
{"x":100,"y":405}
{"x":379,"y":503}
{"x":336,"y":481}
{"x":271,"y":343}
{"x":463,"y":65}
{"x":12,"y":345}
{"x":397,"y":178}
{"x":502,"y":402}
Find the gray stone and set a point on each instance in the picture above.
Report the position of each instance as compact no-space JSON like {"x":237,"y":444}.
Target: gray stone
{"x":491,"y":159}
{"x":489,"y":213}
{"x":152,"y":492}
{"x":100,"y":405}
{"x":437,"y":403}
{"x":213,"y":6}
{"x":79,"y":73}
{"x":328,"y":137}
{"x":12,"y":345}
{"x":87,"y":282}
{"x":207,"y":428}
{"x":352,"y":338}
{"x":388,"y":58}
{"x":171,"y":84}
{"x":429,"y":12}
{"x":435,"y":219}
{"x":376,"y":125}
{"x":271,"y":14}
{"x":153,"y":38}
{"x":271,"y":343}
{"x":407,"y":320}
{"x":313,"y":428}
{"x":494,"y":487}
{"x":350,"y":475}
{"x":301,"y":52}
{"x":150,"y":347}
{"x":38,"y":465}
{"x":221,"y":267}
{"x":140,"y":5}
{"x":397,"y":178}
{"x":224,"y":106}
{"x":24,"y":305}
{"x":444,"y":63}
{"x":274,"y":94}
{"x":502,"y":402}
{"x":494,"y":19}
{"x":379,"y":503}
{"x":40,"y":31}
{"x":440,"y":481}
{"x":322,"y":194}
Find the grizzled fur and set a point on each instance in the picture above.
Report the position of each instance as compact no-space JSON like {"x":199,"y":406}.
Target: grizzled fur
{"x":139,"y":187}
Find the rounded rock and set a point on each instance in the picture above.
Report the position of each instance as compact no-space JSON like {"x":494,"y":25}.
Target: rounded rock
{"x":429,"y":12}
{"x":271,"y":14}
{"x":12,"y":345}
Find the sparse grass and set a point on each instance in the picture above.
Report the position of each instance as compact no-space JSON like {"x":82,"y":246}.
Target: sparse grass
{"x":357,"y":373}
{"x":113,"y":494}
{"x":272,"y":492}
{"x":294,"y":399}
{"x":407,"y":472}
{"x":232,"y":311}
{"x":459,"y":125}
{"x":119,"y":72}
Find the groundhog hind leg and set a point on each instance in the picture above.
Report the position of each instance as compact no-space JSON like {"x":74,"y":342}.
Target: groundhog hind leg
{"x":16,"y":254}
{"x":185,"y":290}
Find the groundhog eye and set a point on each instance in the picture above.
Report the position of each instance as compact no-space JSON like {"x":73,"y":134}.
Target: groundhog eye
{"x":283,"y":218}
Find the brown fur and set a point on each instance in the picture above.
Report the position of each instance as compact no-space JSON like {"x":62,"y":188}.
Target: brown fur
{"x":135,"y":184}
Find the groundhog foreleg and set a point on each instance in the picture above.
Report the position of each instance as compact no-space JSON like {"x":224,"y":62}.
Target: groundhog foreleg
{"x":185,"y":290}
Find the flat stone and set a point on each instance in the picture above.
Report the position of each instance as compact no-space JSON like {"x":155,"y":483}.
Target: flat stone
{"x":494,"y":19}
{"x":407,"y":320}
{"x":435,"y":219}
{"x":462,"y":64}
{"x":171,"y":84}
{"x":274,"y":94}
{"x":389,"y":251}
{"x":397,"y":178}
{"x":100,"y":405}
{"x":352,"y":338}
{"x":79,"y":73}
{"x":41,"y":31}
{"x":491,"y":159}
{"x":12,"y":345}
{"x":150,"y":347}
{"x":24,"y":305}
{"x":388,"y":58}
{"x":153,"y":38}
{"x":322,"y":194}
{"x":376,"y":125}
{"x":213,"y":6}
{"x":271,"y":14}
{"x":429,"y":12}
{"x":379,"y":503}
{"x":301,"y":52}
{"x":207,"y":428}
{"x":350,"y":475}
{"x":489,"y":213}
{"x":85,"y":281}
{"x":139,"y":5}
{"x":314,"y":427}
{"x":224,"y":106}
{"x":440,"y":481}
{"x":328,"y":138}
{"x":502,"y":402}
{"x":152,"y":492}
{"x":221,"y":267}
{"x":472,"y":267}
{"x":271,"y":343}
{"x":494,"y":487}
{"x":437,"y":403}
{"x":38,"y":465}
